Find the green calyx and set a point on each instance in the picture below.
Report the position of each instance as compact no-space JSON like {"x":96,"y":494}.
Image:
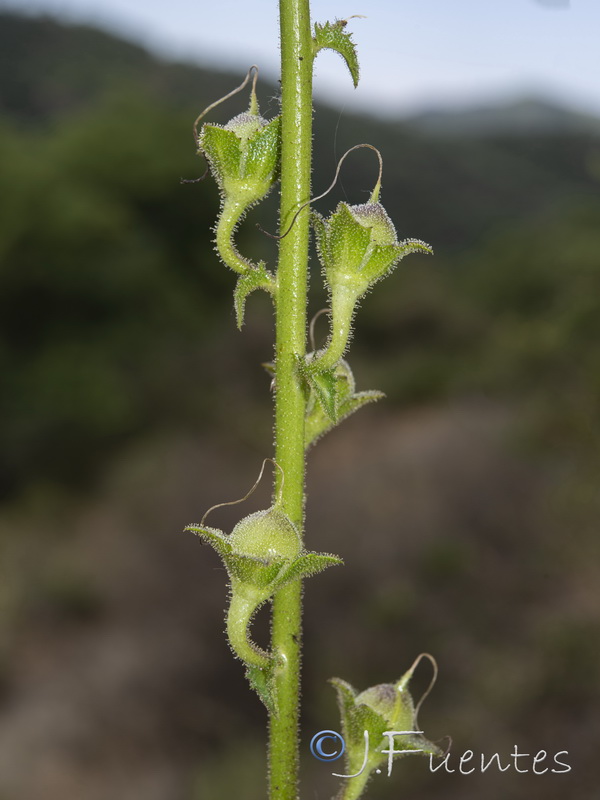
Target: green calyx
{"x":379,"y":710}
{"x":357,"y":246}
{"x":263,"y":553}
{"x":243,"y":156}
{"x":332,"y":397}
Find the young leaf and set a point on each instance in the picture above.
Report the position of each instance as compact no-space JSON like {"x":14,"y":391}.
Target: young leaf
{"x":331,"y":36}
{"x":259,"y":278}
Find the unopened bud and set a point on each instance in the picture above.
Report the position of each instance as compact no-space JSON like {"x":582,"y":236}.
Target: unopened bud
{"x":266,"y":535}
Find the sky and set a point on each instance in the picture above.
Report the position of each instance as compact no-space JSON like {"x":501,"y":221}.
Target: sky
{"x":414,"y":54}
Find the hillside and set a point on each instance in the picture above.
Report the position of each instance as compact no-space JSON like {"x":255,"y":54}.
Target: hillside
{"x":49,"y":69}
{"x":38,"y":81}
{"x":524,"y":116}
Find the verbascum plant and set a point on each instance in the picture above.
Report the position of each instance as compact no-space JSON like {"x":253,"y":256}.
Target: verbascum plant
{"x":357,"y":246}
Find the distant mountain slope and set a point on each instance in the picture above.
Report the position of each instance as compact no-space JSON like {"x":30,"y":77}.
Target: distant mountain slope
{"x":49,"y":68}
{"x":526,"y":116}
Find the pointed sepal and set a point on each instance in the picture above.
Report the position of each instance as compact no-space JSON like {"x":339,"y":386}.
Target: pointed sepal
{"x":323,"y":384}
{"x":263,"y":153}
{"x":262,"y":680}
{"x":256,"y":572}
{"x":318,"y":423}
{"x":356,"y":719}
{"x":222,"y":150}
{"x":243,"y":156}
{"x":306,"y":565}
{"x":212,"y":536}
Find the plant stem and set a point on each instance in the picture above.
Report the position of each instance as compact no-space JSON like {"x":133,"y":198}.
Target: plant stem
{"x":229,"y":217}
{"x":239,"y":614}
{"x":353,"y":788}
{"x":343,"y":302}
{"x":290,"y":402}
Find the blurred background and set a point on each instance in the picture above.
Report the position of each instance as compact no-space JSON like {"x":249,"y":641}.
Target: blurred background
{"x":465,"y":504}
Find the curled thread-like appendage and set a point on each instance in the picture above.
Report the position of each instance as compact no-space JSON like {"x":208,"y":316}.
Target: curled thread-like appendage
{"x":244,"y":83}
{"x":374,"y":195}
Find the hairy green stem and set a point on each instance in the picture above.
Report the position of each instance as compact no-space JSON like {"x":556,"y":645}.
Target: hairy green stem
{"x":290,"y":401}
{"x":343,"y":302}
{"x":354,"y":787}
{"x":240,"y":612}
{"x":229,"y":218}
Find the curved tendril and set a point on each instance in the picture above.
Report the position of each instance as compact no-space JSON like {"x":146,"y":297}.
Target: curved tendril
{"x":252,"y":490}
{"x":433,"y":662}
{"x":227,"y":96}
{"x":447,"y":736}
{"x":374,"y":195}
{"x":311,"y":327}
{"x":195,"y":180}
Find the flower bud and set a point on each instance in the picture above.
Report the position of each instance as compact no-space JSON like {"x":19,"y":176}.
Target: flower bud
{"x":357,"y":246}
{"x":245,"y":125}
{"x":393,"y":704}
{"x":374,"y":216}
{"x":370,"y":722}
{"x":267,"y":535}
{"x":243,"y":156}
{"x":263,"y":553}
